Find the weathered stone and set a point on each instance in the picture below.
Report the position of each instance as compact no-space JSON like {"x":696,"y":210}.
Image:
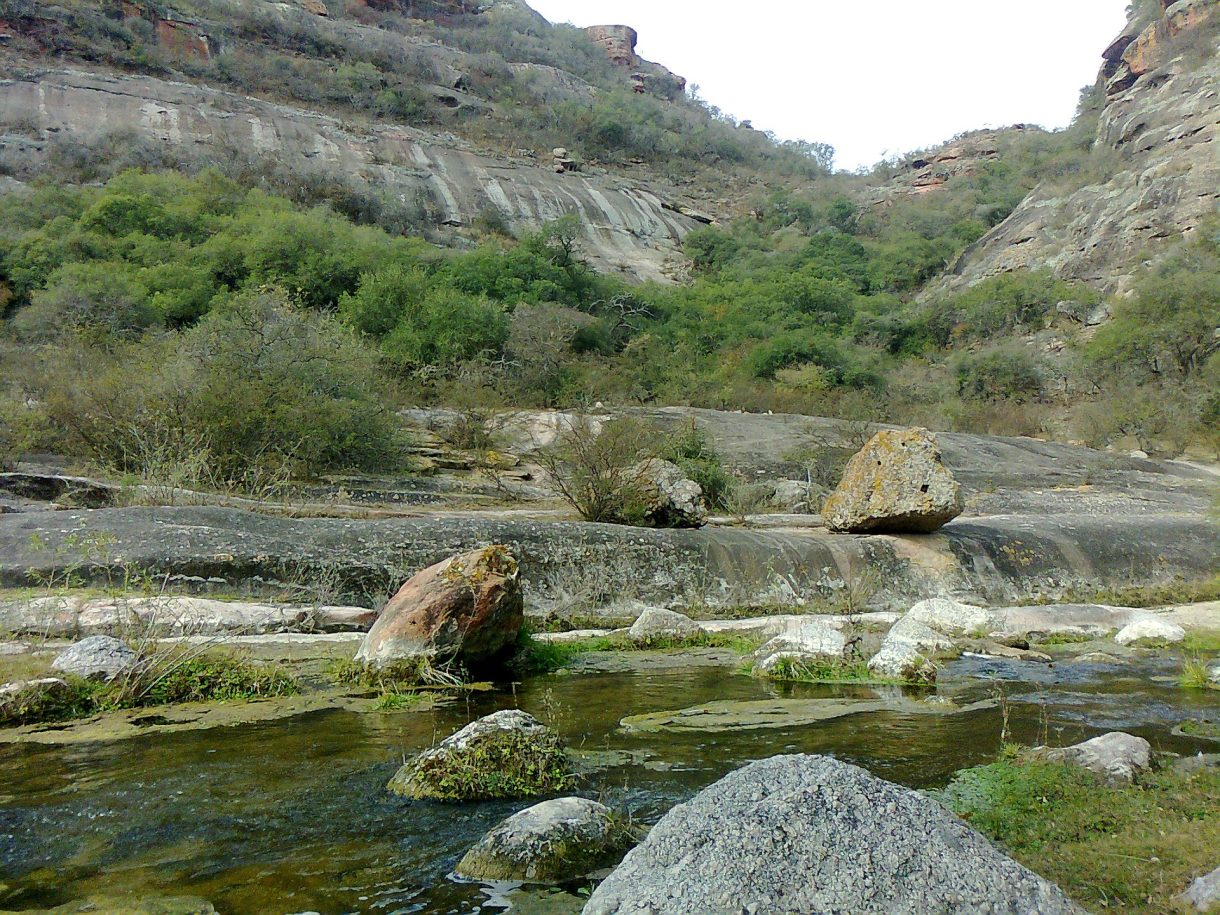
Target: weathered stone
{"x":797,"y":497}
{"x":98,"y":657}
{"x":671,"y":499}
{"x":919,"y":636}
{"x":895,"y":484}
{"x":902,"y":661}
{"x":656,"y":624}
{"x":1116,"y":757}
{"x":1204,"y":892}
{"x":552,"y":842}
{"x":507,"y":754}
{"x":467,"y":608}
{"x":811,"y":642}
{"x":1150,"y":629}
{"x":812,"y":834}
{"x":953,"y":618}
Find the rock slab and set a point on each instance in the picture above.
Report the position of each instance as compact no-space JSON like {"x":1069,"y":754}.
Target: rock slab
{"x":896,"y":483}
{"x":806,"y":834}
{"x":551,"y":842}
{"x":468,"y":608}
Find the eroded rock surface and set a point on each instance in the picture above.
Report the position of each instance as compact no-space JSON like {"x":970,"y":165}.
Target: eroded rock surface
{"x":896,"y":483}
{"x":812,"y":834}
{"x":468,"y":608}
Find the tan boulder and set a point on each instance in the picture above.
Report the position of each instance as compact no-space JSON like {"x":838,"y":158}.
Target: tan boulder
{"x":468,"y":608}
{"x":895,"y":484}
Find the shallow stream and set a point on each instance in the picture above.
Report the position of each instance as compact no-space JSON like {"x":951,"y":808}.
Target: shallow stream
{"x":291,"y":816}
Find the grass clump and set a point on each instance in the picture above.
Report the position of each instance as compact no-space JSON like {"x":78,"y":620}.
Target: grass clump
{"x":1158,"y":594}
{"x":535,"y":656}
{"x":819,"y":670}
{"x":1195,"y":674}
{"x":1205,"y":641}
{"x":1066,"y":638}
{"x":1133,"y":847}
{"x":161,"y":679}
{"x":400,"y":677}
{"x":495,"y":765}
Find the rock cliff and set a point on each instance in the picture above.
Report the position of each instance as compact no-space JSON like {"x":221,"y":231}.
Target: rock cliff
{"x":1158,"y":144}
{"x":627,"y":227}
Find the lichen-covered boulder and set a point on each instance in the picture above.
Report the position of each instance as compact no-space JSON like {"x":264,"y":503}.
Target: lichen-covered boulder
{"x":671,"y":499}
{"x":552,"y":842}
{"x":1116,"y":757}
{"x":98,"y":657}
{"x":1150,"y":629}
{"x":656,"y":624}
{"x":508,"y":754}
{"x":468,"y":608}
{"x":895,"y":484}
{"x":812,"y":834}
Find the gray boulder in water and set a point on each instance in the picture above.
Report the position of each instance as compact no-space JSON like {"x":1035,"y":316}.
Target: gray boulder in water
{"x":810,"y":834}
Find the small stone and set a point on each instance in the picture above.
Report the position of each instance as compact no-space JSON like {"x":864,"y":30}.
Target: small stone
{"x":98,"y":657}
{"x":1117,"y":757}
{"x":1150,"y":629}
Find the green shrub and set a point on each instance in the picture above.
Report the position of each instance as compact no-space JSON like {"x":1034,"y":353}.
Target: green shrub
{"x":103,"y":300}
{"x":1009,"y":373}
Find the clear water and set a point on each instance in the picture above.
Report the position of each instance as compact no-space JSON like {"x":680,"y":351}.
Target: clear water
{"x":292,"y":816}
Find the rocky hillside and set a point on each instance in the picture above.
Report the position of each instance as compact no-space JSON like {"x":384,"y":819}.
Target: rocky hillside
{"x":1158,"y":174}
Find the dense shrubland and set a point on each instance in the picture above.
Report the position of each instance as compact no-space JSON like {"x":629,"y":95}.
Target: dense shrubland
{"x":164,"y":317}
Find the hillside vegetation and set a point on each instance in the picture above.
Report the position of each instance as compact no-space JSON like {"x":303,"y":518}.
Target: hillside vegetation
{"x":158,"y":310}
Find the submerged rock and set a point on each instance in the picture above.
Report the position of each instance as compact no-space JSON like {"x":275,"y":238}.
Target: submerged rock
{"x":552,"y":842}
{"x":468,"y":608}
{"x":1150,"y":629}
{"x":98,"y":657}
{"x":508,"y":754}
{"x":812,"y":834}
{"x":895,"y":484}
{"x":1117,"y":757}
{"x":658,"y":625}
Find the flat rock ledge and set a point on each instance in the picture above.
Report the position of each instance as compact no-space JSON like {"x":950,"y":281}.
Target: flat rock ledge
{"x":808,"y":834}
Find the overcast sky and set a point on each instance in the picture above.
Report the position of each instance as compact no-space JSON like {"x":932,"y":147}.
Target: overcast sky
{"x":873,"y":78}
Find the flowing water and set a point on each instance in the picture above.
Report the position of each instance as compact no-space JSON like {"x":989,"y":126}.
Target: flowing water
{"x":292,"y":816}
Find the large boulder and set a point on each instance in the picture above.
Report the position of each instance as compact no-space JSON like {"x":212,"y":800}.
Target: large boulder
{"x":953,"y":618}
{"x":903,"y":662}
{"x":508,"y":754}
{"x":1117,"y":757}
{"x":810,"y":643}
{"x":468,"y":608}
{"x":98,"y":657}
{"x":895,"y":484}
{"x":670,"y":498}
{"x":812,"y":834}
{"x":552,"y":842}
{"x":656,"y":624}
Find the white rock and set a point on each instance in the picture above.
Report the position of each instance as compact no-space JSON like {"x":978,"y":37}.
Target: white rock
{"x":656,"y":623}
{"x":812,"y":639}
{"x":1117,"y":757}
{"x":98,"y":657}
{"x":900,"y":661}
{"x":1151,"y":629}
{"x":921,"y":637}
{"x":1213,"y":673}
{"x":1204,"y":892}
{"x":953,"y":618}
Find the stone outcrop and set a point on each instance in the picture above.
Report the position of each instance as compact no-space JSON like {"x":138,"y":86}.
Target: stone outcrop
{"x":965,"y":156}
{"x":98,"y":657}
{"x":618,"y":41}
{"x":468,"y":608}
{"x":508,"y":754}
{"x":670,"y":498}
{"x":552,"y":842}
{"x":1117,"y":758}
{"x":1161,"y":122}
{"x":897,"y":483}
{"x":659,"y":625}
{"x":812,"y":834}
{"x":627,"y":227}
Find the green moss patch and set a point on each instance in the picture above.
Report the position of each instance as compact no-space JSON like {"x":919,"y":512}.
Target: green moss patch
{"x":1132,"y":848}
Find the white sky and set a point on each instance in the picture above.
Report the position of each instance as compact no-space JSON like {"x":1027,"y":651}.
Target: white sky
{"x":873,"y":78}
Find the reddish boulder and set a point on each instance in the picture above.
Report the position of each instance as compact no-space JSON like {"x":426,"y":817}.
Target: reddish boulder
{"x":468,"y":608}
{"x":618,"y":41}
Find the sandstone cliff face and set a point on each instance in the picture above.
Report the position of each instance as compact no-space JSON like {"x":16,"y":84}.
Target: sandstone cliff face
{"x":1161,"y":127}
{"x":627,"y":227}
